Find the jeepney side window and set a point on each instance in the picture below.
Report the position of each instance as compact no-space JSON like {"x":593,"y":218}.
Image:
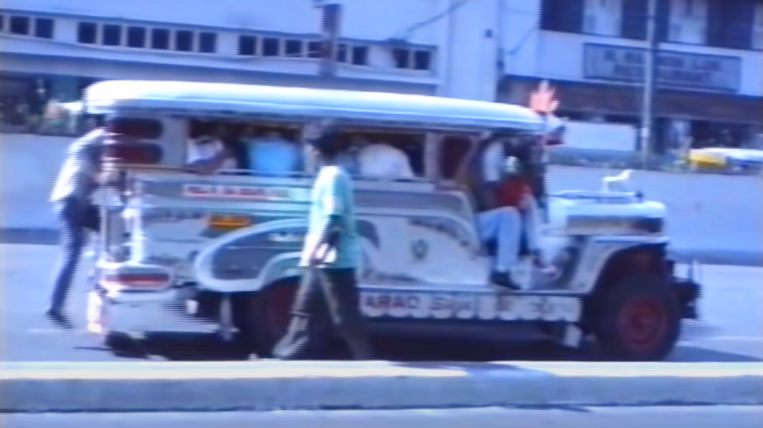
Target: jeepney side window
{"x":272,"y":148}
{"x":250,"y":145}
{"x":453,"y":151}
{"x":139,"y":128}
{"x":385,"y":154}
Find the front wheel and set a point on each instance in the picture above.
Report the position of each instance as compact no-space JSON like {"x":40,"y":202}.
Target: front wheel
{"x":638,"y":319}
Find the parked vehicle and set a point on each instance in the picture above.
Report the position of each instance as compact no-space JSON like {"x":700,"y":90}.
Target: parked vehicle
{"x":222,"y":250}
{"x":726,"y":159}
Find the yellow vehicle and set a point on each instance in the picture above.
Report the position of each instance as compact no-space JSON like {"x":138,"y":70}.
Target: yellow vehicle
{"x":726,"y":159}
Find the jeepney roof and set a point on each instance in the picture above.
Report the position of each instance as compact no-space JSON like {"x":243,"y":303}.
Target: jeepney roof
{"x":276,"y":101}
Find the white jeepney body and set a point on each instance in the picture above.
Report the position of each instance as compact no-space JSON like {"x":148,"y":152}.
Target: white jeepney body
{"x":423,"y":258}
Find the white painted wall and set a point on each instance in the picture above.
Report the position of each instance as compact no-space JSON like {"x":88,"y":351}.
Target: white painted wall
{"x":464,"y":62}
{"x":389,"y":18}
{"x":470,"y":61}
{"x":553,"y":55}
{"x":600,"y":136}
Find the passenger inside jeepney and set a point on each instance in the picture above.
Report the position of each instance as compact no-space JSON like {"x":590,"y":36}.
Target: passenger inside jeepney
{"x":272,"y":151}
{"x":206,"y":152}
{"x":508,"y":217}
{"x":385,"y":156}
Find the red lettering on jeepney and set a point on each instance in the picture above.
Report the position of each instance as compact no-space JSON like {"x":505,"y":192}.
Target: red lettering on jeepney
{"x":394,"y":301}
{"x":504,"y":303}
{"x":378,"y":301}
{"x":413,"y":302}
{"x":398,"y":301}
{"x":196,"y":189}
{"x":440,"y":302}
{"x":248,"y":191}
{"x":463,"y":303}
{"x":280,"y":193}
{"x":369,"y":301}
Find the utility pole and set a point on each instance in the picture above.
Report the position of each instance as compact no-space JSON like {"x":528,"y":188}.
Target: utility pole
{"x":646,"y":134}
{"x":331,"y":19}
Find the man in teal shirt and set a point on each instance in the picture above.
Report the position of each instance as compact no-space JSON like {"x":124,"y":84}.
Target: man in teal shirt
{"x":328,"y":302}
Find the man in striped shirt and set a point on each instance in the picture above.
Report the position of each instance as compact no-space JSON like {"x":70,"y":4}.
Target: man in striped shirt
{"x":71,"y":198}
{"x":328,"y":302}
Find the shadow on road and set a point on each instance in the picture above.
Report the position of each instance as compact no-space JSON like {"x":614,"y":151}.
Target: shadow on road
{"x":209,"y":347}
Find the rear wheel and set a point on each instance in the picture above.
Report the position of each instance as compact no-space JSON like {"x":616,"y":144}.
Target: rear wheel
{"x":262,"y":318}
{"x":638,"y":319}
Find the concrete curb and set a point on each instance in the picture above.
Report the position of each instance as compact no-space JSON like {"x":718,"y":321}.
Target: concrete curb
{"x":265,"y":386}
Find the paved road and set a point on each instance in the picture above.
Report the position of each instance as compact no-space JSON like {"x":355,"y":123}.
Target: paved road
{"x":641,"y":417}
{"x":732,"y":329}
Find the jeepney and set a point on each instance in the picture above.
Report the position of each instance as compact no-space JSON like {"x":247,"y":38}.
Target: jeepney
{"x":180,"y":250}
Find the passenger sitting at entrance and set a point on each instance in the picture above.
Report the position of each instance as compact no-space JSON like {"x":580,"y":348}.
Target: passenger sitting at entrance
{"x":508,"y":198}
{"x":381,"y":160}
{"x":208,"y":155}
{"x":273,"y":154}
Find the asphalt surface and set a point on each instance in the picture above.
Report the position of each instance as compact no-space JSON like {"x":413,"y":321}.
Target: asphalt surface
{"x":731,"y":328}
{"x":638,"y":417}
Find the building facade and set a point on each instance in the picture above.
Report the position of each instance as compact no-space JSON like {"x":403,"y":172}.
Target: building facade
{"x":709,"y":75}
{"x":52,"y":49}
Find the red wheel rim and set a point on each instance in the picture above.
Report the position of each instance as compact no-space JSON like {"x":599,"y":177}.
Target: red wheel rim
{"x":642,"y":323}
{"x":278,"y":308}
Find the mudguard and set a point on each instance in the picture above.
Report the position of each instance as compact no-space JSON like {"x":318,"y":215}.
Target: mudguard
{"x":249,"y":258}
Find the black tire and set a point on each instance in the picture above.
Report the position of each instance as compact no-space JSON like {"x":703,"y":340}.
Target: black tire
{"x":254,"y":313}
{"x":637,"y":319}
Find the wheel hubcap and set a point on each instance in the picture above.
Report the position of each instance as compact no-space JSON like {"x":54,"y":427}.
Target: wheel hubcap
{"x":642,"y":323}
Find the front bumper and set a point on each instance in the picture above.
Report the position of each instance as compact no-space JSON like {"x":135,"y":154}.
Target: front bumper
{"x":689,"y":292}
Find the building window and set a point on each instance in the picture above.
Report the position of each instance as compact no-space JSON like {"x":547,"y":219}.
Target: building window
{"x":111,"y":35}
{"x":412,"y":59}
{"x":44,"y":28}
{"x":730,"y":24}
{"x":19,"y":25}
{"x":351,"y":54}
{"x":293,"y":48}
{"x":562,"y":15}
{"x":184,"y":40}
{"x":359,"y":55}
{"x":757,"y":32}
{"x":341,"y":52}
{"x":688,"y":21}
{"x":87,"y":33}
{"x":602,"y":17}
{"x":314,"y":49}
{"x":136,"y":37}
{"x":634,"y":19}
{"x":160,"y":39}
{"x":207,"y":42}
{"x":271,"y":46}
{"x":422,"y":60}
{"x":248,"y":45}
{"x":41,"y":28}
{"x":401,"y":58}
